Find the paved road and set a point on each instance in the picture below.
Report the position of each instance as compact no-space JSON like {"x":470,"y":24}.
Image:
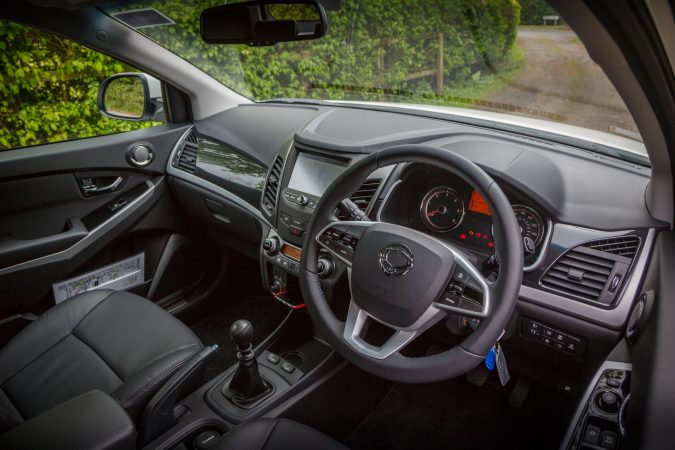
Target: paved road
{"x":560,"y":82}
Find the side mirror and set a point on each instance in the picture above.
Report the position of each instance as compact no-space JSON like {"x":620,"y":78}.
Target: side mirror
{"x":263,"y":22}
{"x":131,"y":96}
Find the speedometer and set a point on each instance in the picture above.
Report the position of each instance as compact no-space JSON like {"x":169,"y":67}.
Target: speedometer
{"x":442,"y":209}
{"x":531,"y":224}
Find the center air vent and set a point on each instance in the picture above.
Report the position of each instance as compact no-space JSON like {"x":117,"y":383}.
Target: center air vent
{"x":271,"y":191}
{"x":363,"y":195}
{"x":186,"y":158}
{"x":593,"y":272}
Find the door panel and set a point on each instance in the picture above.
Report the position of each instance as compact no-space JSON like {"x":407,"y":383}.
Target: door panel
{"x":51,"y":228}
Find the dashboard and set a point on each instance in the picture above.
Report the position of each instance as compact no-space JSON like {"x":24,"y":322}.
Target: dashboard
{"x":586,"y":231}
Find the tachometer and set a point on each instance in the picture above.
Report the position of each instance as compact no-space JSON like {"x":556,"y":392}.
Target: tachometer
{"x":442,"y":209}
{"x":531,"y":224}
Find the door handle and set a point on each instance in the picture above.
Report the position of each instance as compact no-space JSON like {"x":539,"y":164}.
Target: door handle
{"x":89,"y":186}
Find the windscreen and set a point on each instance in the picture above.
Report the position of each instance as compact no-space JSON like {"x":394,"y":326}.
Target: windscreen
{"x":513,"y":57}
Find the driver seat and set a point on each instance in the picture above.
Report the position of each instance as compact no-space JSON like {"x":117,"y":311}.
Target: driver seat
{"x":113,"y":341}
{"x":276,"y":434}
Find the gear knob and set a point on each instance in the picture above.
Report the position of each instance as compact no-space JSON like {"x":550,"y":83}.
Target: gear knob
{"x":241,"y":333}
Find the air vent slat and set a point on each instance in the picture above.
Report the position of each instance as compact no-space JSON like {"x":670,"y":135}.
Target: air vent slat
{"x":586,"y":282}
{"x":575,"y":262}
{"x":364,"y":194}
{"x":271,"y":190}
{"x":583,"y":272}
{"x":186,"y":158}
{"x":623,"y":246}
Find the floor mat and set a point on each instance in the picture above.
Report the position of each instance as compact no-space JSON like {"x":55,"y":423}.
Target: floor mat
{"x":457,"y":415}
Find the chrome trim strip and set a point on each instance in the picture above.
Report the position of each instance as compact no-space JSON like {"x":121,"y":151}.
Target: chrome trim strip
{"x":91,"y":236}
{"x":607,"y":365}
{"x":378,"y":216}
{"x":356,"y":320}
{"x":543,"y":249}
{"x":217,"y":190}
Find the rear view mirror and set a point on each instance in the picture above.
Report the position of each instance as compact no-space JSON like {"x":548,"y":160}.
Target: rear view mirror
{"x":131,"y":96}
{"x":263,"y":22}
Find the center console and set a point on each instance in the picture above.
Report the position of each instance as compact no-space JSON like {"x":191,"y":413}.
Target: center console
{"x":294,"y":185}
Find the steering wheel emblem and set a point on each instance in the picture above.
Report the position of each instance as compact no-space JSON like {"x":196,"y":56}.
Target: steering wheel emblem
{"x":395,"y":260}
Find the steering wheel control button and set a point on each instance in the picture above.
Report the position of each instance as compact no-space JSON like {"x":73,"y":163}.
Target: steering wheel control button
{"x":341,"y":244}
{"x":451,"y":299}
{"x":274,"y":359}
{"x":287,"y":367}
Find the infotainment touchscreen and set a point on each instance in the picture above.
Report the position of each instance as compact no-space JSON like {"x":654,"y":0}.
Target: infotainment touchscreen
{"x":313,"y":174}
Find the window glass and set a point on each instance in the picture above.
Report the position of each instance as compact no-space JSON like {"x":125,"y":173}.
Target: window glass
{"x":514,"y":57}
{"x":48,"y":89}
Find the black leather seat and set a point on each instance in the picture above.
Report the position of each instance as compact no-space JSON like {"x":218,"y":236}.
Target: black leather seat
{"x":276,"y":434}
{"x":113,"y":341}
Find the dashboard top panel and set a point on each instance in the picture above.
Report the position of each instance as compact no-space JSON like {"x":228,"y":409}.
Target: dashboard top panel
{"x":572,"y":185}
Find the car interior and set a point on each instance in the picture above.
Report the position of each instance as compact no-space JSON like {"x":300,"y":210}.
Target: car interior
{"x":311,"y":274}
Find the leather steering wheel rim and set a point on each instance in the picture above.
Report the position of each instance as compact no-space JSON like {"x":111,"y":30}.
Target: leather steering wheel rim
{"x":504,"y":290}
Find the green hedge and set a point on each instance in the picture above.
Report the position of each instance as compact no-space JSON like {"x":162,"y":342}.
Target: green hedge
{"x":48,"y":89}
{"x":48,"y":86}
{"x":533,"y":10}
{"x":370,"y":49}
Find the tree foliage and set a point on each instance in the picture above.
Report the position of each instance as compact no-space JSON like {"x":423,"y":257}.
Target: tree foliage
{"x":48,"y":85}
{"x":48,"y":89}
{"x":532,"y":11}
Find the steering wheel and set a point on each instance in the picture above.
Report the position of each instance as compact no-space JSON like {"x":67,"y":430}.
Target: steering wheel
{"x":400,"y":277}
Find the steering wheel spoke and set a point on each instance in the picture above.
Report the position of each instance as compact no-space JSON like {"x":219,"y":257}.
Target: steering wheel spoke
{"x":340,"y":238}
{"x":358,"y":321}
{"x":468,"y":292}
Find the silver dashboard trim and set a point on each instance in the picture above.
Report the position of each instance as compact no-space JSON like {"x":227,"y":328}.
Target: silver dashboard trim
{"x":607,"y":365}
{"x":543,"y":250}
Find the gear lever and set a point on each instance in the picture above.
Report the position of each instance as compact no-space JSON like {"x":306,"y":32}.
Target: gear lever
{"x":246,"y":384}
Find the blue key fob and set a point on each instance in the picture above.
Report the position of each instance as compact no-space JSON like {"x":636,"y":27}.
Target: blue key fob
{"x":490,"y":359}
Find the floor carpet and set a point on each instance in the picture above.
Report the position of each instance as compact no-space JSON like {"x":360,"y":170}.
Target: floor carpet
{"x":457,"y":415}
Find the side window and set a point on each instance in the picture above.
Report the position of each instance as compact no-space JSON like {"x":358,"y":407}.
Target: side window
{"x":48,"y":89}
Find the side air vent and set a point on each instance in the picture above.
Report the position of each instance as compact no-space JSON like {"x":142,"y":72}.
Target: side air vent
{"x":363,"y":195}
{"x":593,"y":272}
{"x":186,"y":158}
{"x":271,"y":191}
